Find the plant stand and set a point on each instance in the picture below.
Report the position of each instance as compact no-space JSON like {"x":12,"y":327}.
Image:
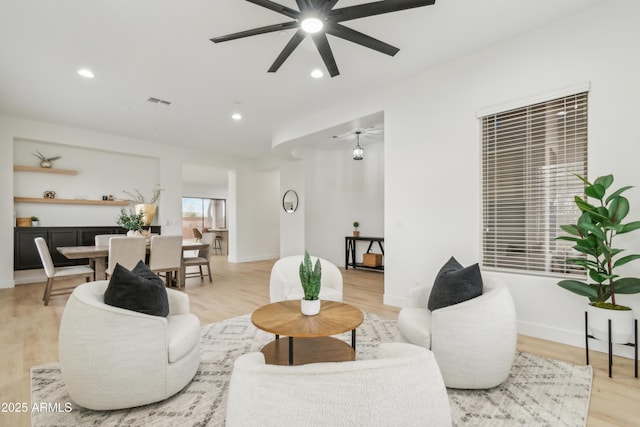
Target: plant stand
{"x":634,"y":344}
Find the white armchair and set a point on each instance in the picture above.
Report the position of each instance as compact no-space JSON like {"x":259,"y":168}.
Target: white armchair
{"x":112,"y":358}
{"x":474,"y":341}
{"x":403,"y":387}
{"x":285,"y":280}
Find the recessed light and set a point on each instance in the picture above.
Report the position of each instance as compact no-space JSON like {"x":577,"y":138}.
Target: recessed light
{"x":311,"y":25}
{"x":236,"y":116}
{"x":85,"y":72}
{"x":317,"y":73}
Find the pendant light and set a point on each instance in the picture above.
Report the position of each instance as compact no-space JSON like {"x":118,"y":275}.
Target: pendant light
{"x":358,"y":152}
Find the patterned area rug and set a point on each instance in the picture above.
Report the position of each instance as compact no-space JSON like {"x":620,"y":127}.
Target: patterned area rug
{"x":539,"y":391}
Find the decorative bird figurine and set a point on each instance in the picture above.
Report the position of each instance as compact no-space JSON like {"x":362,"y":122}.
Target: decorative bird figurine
{"x":45,"y":162}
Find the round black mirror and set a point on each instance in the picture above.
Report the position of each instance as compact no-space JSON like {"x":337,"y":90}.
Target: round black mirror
{"x":290,"y":201}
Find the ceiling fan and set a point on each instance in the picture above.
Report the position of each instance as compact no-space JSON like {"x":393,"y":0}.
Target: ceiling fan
{"x":318,"y":18}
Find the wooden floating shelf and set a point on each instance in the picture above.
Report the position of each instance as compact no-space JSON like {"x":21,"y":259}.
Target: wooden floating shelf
{"x":20,"y":168}
{"x":71,"y":201}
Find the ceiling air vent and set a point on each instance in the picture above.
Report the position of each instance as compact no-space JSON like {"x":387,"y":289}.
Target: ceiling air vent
{"x":158,"y":101}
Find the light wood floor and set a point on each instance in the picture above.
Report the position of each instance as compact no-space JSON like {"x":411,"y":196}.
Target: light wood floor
{"x":28,"y":335}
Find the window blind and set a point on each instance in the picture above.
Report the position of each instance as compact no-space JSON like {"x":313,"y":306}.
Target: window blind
{"x":530,"y":159}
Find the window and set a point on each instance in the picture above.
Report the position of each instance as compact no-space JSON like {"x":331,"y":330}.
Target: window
{"x":530,"y":159}
{"x":201,"y":213}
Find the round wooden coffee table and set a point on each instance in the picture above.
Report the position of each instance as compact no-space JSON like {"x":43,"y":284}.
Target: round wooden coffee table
{"x":312,"y":333}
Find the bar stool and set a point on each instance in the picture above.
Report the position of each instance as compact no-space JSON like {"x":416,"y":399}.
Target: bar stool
{"x":217,"y":245}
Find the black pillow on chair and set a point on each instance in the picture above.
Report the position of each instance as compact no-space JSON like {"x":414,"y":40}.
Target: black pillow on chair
{"x":455,"y":284}
{"x":142,"y":270}
{"x":138,"y":290}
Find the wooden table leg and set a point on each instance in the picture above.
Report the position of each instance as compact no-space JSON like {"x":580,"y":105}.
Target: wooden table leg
{"x":100,"y":268}
{"x":182,"y":275}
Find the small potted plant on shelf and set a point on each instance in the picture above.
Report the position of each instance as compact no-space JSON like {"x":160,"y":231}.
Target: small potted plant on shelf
{"x":35,"y":221}
{"x":356,"y":233}
{"x":132,"y":221}
{"x":140,"y":205}
{"x":593,"y":235}
{"x":310,"y":281}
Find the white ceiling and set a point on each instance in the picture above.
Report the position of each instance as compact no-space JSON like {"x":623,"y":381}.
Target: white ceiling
{"x":160,"y":48}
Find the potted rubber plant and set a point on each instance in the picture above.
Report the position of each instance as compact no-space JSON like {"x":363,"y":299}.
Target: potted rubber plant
{"x":593,"y":235}
{"x":310,"y":281}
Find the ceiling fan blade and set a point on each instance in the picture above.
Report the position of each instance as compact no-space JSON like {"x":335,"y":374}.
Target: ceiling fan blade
{"x":354,"y":36}
{"x":288,"y":49}
{"x":256,"y":31}
{"x":328,"y":4}
{"x":304,"y":5}
{"x":284,"y":10}
{"x":320,"y":39}
{"x":375,"y":8}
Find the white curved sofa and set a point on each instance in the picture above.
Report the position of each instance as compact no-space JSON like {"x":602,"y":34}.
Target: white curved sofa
{"x":112,"y":358}
{"x":474,"y":341}
{"x":285,"y":280}
{"x":403,"y":387}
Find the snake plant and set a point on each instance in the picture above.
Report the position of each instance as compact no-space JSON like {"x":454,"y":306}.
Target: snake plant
{"x":310,"y":277}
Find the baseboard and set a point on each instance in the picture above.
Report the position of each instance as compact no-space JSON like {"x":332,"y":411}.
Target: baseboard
{"x":394,"y":300}
{"x":24,"y":277}
{"x":572,"y":338}
{"x":7,"y":284}
{"x":253,"y":258}
{"x":549,"y":333}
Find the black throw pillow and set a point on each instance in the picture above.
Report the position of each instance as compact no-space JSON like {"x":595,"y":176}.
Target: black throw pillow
{"x":455,"y":284}
{"x":141,"y":269}
{"x":141,"y":293}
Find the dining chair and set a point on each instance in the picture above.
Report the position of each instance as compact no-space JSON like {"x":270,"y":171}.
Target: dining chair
{"x":126,"y":252}
{"x":52,"y":272}
{"x":197,"y":234}
{"x":166,"y":256}
{"x":202,"y":258}
{"x":103,"y":239}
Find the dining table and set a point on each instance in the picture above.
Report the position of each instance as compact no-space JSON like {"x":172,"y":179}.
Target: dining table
{"x":100,"y":254}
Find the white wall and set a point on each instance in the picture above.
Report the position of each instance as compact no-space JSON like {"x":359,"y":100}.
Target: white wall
{"x":168,"y":172}
{"x":256,"y":235}
{"x":125,"y":172}
{"x":334,"y":191}
{"x":191,"y":189}
{"x":339,"y":191}
{"x":432,"y":142}
{"x":292,"y":232}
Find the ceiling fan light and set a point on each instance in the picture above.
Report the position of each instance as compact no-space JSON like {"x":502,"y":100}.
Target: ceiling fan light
{"x":311,"y":25}
{"x":317,"y":73}
{"x":86,"y":73}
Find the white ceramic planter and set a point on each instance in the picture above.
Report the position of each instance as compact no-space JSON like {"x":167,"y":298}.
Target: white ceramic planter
{"x":310,"y":307}
{"x":621,"y":324}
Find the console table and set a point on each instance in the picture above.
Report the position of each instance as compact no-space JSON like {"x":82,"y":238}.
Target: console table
{"x":350,"y":251}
